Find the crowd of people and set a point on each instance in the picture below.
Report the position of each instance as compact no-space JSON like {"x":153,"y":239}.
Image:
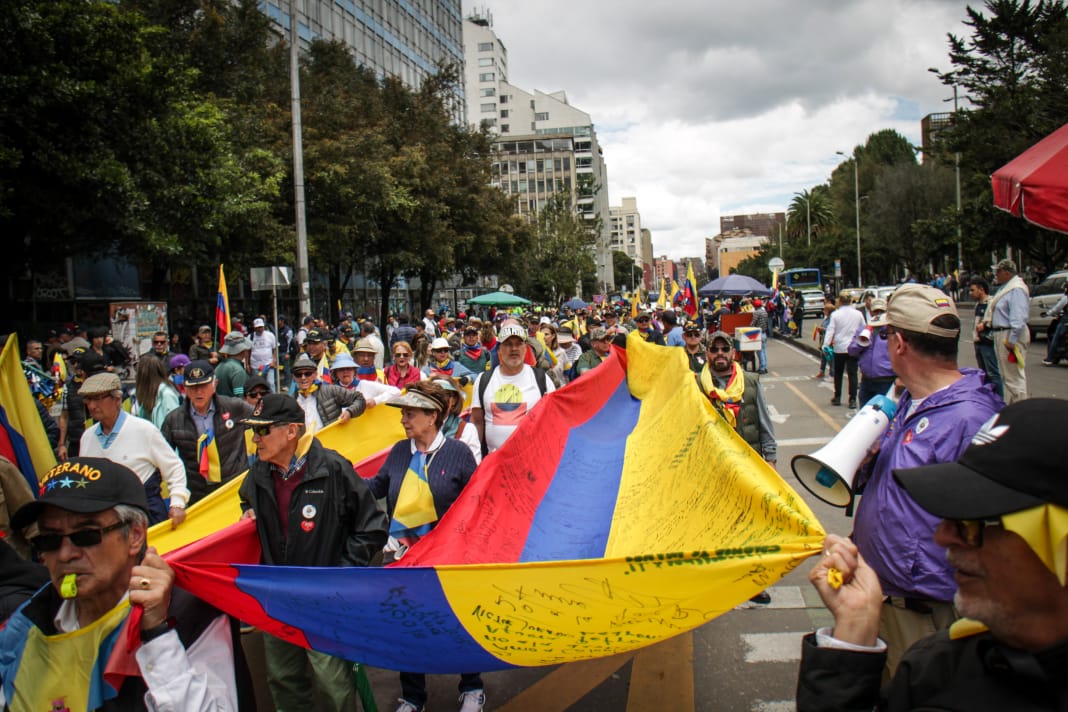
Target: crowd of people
{"x":254,"y":403}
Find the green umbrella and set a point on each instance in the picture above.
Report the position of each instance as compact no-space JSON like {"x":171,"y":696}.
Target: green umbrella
{"x":499,"y":299}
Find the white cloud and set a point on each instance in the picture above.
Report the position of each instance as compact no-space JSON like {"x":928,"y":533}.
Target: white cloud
{"x":712,"y":107}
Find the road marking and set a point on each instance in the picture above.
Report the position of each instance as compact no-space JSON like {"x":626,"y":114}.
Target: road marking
{"x":777,"y":706}
{"x":820,"y":412}
{"x":785,"y":379}
{"x":803,"y":442}
{"x":775,"y":415}
{"x":661,"y":677}
{"x":568,"y":684}
{"x":772,"y":647}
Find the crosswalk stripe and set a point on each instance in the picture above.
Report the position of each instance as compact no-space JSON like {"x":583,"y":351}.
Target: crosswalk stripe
{"x":772,"y":647}
{"x":803,"y":442}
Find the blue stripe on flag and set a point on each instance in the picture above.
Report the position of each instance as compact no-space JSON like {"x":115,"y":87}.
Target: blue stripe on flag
{"x":22,"y":453}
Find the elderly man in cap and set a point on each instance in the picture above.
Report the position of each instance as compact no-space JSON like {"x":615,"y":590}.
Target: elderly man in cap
{"x":600,"y":347}
{"x":201,"y":347}
{"x":261,"y":359}
{"x":363,"y":353}
{"x":369,"y":332}
{"x":323,"y":403}
{"x":1005,"y":321}
{"x":441,"y":363}
{"x":694,"y":347}
{"x":504,"y":395}
{"x":473,"y":355}
{"x":1002,"y":512}
{"x":206,"y":432}
{"x":232,"y":372}
{"x":940,"y":410}
{"x":135,"y":443}
{"x":68,"y":647}
{"x":311,"y":509}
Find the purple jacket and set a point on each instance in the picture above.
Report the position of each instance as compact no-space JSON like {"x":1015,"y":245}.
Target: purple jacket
{"x":892,"y":532}
{"x":874,"y":358}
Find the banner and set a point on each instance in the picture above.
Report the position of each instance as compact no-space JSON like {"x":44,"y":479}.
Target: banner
{"x":622,"y":511}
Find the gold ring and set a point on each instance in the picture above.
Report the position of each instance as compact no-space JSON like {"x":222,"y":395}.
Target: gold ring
{"x":145,"y":583}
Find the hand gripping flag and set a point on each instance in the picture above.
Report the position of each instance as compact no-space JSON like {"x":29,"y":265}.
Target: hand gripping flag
{"x":621,"y":512}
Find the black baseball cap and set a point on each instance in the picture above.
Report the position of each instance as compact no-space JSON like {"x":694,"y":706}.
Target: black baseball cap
{"x":314,"y":335}
{"x":199,"y":372}
{"x":1012,"y":464}
{"x":84,"y":485}
{"x":276,"y":408}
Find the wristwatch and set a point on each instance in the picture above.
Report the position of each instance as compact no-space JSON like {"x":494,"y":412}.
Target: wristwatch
{"x":156,"y":631}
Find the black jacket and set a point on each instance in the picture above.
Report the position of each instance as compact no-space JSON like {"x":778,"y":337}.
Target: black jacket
{"x":330,"y":400}
{"x":345,"y":526}
{"x":181,"y":432}
{"x":971,"y":673}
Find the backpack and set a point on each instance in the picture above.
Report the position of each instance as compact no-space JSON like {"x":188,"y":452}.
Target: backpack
{"x":483,"y":384}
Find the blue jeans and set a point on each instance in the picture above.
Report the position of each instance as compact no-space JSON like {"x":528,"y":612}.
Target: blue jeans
{"x":1056,"y":340}
{"x":763,"y":354}
{"x":413,"y":686}
{"x":988,"y":361}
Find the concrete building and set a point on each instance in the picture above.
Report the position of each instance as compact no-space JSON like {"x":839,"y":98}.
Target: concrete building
{"x":767,"y":224}
{"x":544,"y":145}
{"x":399,"y":38}
{"x":727,"y":249}
{"x":628,"y":235}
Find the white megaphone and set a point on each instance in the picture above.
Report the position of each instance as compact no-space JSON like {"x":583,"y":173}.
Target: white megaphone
{"x":828,"y":473}
{"x":864,"y":337}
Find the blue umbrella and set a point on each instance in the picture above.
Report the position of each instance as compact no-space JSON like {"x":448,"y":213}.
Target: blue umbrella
{"x":575,"y":303}
{"x":734,"y":285}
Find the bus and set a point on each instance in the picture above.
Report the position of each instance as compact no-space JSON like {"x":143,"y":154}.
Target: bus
{"x":801,"y":278}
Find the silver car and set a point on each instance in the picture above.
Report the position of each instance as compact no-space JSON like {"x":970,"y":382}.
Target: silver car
{"x":813,"y":302}
{"x":1043,"y":297}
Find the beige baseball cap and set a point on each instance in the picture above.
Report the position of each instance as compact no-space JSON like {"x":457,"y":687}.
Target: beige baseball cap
{"x":914,"y":306}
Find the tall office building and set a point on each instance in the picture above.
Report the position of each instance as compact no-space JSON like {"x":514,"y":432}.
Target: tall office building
{"x":628,"y":235}
{"x":400,"y":38}
{"x":544,"y":145}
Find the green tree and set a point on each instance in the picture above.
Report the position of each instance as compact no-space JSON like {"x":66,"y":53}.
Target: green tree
{"x":1011,"y":72}
{"x":809,"y":208}
{"x":624,"y":270}
{"x":561,"y":256}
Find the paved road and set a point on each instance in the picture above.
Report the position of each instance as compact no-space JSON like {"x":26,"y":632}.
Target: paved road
{"x":745,"y":660}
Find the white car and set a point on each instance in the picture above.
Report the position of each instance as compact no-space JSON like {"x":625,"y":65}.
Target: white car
{"x":1043,"y":297}
{"x":813,"y":302}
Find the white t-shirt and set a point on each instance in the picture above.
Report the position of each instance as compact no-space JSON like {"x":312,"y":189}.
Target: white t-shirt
{"x":509,"y":398}
{"x":262,"y":349}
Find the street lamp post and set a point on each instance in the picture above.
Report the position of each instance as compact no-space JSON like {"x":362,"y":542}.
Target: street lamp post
{"x":956,"y":171}
{"x":856,"y":201}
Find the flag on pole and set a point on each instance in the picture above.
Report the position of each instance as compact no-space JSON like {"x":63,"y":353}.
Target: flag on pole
{"x":674,"y":292}
{"x":22,"y":435}
{"x":661,"y":301}
{"x":689,"y":293}
{"x":222,"y":307}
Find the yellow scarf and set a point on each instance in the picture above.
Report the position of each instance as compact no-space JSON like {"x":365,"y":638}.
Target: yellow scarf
{"x":727,"y":400}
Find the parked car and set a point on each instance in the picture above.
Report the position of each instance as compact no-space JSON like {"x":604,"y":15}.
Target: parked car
{"x":813,"y":302}
{"x":1043,"y":297}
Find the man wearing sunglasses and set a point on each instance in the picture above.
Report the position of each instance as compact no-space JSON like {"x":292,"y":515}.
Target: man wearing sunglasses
{"x":91,"y":520}
{"x":1002,"y":509}
{"x":311,"y":509}
{"x":206,"y":431}
{"x":323,"y":403}
{"x":942,"y":407}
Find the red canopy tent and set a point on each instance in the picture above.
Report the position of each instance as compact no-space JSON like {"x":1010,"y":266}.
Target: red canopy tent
{"x":1034,"y":185}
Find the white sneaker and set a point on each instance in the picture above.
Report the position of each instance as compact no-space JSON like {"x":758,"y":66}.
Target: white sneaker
{"x":471,"y":701}
{"x":406,"y":706}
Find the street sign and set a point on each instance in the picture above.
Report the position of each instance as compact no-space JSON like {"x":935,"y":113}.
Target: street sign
{"x":775,"y":264}
{"x":838,"y":268}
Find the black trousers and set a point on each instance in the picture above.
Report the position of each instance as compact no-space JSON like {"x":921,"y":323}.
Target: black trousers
{"x":845,"y":364}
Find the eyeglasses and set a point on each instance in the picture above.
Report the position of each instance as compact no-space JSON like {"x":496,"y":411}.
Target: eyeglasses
{"x":886,"y":333}
{"x":256,"y":394}
{"x":83,"y":538}
{"x":303,"y":374}
{"x":642,"y":320}
{"x":401,"y":354}
{"x":265,"y":430}
{"x":691,"y":333}
{"x":439,"y":351}
{"x":971,"y":530}
{"x":159,"y":343}
{"x":720,"y":349}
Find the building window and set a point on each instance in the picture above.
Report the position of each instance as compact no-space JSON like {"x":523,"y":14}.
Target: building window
{"x":504,"y":128}
{"x":485,"y":46}
{"x":504,"y":113}
{"x":541,"y":116}
{"x":485,"y":62}
{"x":504,"y":98}
{"x":487,"y":77}
{"x":488,"y":91}
{"x":488,"y":107}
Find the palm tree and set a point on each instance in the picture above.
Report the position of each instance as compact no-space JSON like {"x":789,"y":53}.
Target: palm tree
{"x":809,"y":214}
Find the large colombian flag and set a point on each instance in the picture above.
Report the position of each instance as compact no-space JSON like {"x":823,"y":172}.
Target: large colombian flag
{"x":22,"y":435}
{"x":621,"y":512}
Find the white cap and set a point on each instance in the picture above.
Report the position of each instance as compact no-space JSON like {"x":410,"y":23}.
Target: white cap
{"x":513,"y":330}
{"x":257,"y":322}
{"x":439,"y":343}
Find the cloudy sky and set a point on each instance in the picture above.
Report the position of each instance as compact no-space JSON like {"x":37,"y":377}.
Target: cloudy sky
{"x":708,"y":107}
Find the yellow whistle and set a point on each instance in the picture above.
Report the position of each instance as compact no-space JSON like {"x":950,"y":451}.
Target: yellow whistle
{"x":69,"y":587}
{"x":834,"y":578}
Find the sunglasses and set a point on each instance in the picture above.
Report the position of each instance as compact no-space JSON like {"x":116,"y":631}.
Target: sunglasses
{"x":720,"y":349}
{"x":265,"y":430}
{"x":83,"y":538}
{"x":401,"y":355}
{"x":303,"y":374}
{"x":691,"y":333}
{"x":886,"y":333}
{"x":256,"y":394}
{"x":971,"y":530}
{"x":159,"y":343}
{"x":642,"y":321}
{"x":439,"y":351}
